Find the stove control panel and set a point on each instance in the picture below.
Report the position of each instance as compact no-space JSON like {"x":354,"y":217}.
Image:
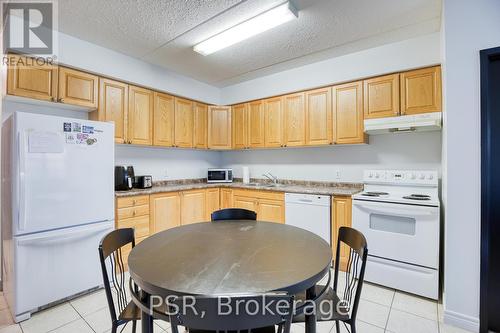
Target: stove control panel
{"x":403,"y":177}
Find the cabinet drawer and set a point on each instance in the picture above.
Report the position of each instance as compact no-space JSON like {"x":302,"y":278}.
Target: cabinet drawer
{"x":140,"y":224}
{"x":128,"y":212}
{"x":138,"y":200}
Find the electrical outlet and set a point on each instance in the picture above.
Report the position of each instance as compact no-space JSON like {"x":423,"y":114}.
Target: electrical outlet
{"x":338,"y":174}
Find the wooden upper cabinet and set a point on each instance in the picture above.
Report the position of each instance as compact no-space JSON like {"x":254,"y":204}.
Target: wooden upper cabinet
{"x":347,"y":104}
{"x":381,"y":96}
{"x":140,"y":116}
{"x":165,"y":211}
{"x":28,"y":79}
{"x":113,"y":106}
{"x":421,"y":91}
{"x":219,"y":127}
{"x":78,"y":88}
{"x":200,"y":125}
{"x":193,"y":206}
{"x":184,"y":122}
{"x":163,"y":120}
{"x":273,"y":123}
{"x":240,"y":126}
{"x":294,"y":120}
{"x":256,"y":124}
{"x":318,"y":117}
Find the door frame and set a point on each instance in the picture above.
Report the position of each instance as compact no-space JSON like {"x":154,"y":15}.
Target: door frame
{"x":488,"y":210}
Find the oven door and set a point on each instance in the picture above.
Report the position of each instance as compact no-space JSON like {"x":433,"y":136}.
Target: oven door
{"x":406,"y":233}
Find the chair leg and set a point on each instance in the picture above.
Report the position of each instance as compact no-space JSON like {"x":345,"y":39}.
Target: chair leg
{"x":337,"y":326}
{"x":353,"y":327}
{"x":113,"y":328}
{"x":134,"y":326}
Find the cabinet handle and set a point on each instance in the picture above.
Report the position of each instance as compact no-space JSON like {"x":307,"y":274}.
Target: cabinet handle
{"x":134,"y":202}
{"x":133,"y":213}
{"x":60,"y":100}
{"x":284,"y":145}
{"x":52,"y":99}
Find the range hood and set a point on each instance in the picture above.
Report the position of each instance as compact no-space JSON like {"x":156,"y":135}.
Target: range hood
{"x":404,"y":124}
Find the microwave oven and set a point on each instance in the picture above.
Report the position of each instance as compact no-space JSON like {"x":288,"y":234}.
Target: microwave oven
{"x":220,"y":176}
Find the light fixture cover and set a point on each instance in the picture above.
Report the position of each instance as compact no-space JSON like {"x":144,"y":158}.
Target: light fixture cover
{"x":257,"y":24}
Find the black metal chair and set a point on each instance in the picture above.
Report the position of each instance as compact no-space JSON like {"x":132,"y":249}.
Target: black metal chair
{"x":238,"y":313}
{"x":344,"y":302}
{"x":110,"y":254}
{"x":234,"y":214}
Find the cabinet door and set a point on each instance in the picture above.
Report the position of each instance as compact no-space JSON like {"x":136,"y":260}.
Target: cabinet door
{"x":193,"y":206}
{"x":27,"y":79}
{"x":184,"y":123}
{"x":319,"y":117}
{"x":245,"y":203}
{"x":271,"y":210}
{"x":200,"y":125}
{"x":164,"y":120}
{"x":347,"y":103}
{"x":140,"y":116}
{"x":294,"y":120}
{"x":273,"y":123}
{"x":213,"y":202}
{"x":240,"y":126}
{"x":219,"y":127}
{"x":341,"y":217}
{"x":256,"y":124}
{"x":381,"y":96}
{"x":165,"y":211}
{"x":421,"y":91}
{"x":113,"y":106}
{"x":78,"y":88}
{"x":226,"y":198}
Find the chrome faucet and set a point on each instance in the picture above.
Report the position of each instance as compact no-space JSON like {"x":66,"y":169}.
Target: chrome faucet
{"x":271,"y":177}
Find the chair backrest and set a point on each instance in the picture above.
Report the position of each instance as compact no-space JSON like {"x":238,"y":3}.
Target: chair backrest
{"x":234,"y":313}
{"x":110,"y":254}
{"x":356,"y":244}
{"x":234,"y":214}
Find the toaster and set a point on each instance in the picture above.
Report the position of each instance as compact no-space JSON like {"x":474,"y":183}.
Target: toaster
{"x":143,"y":182}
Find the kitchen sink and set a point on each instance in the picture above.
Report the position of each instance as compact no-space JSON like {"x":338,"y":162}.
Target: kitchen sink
{"x":263,"y":185}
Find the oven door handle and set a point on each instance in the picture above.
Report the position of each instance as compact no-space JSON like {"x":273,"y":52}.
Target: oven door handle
{"x":377,"y":209}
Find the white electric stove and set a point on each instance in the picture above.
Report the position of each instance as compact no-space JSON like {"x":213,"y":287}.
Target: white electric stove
{"x":399,"y":214}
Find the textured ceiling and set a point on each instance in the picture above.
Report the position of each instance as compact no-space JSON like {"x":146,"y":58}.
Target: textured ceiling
{"x":163,"y":32}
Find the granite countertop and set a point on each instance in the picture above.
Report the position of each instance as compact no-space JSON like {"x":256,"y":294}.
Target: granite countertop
{"x":289,"y":186}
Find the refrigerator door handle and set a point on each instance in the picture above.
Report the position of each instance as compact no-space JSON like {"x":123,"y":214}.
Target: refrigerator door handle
{"x":64,"y":235}
{"x":22,"y":181}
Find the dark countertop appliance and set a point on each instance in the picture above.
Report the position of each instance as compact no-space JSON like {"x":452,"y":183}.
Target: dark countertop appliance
{"x":123,"y":178}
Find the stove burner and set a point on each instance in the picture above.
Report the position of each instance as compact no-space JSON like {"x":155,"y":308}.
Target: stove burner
{"x":417,"y":197}
{"x":374,"y":194}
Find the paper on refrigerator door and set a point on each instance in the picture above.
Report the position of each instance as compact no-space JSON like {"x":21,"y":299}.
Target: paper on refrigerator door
{"x":45,"y":142}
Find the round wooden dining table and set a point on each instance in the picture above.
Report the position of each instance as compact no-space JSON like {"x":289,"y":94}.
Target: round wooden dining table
{"x":230,"y":257}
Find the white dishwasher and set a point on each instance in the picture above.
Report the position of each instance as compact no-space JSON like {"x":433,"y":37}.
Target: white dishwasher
{"x":310,"y":212}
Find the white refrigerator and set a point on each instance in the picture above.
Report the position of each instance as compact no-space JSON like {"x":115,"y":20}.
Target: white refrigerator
{"x":57,"y":204}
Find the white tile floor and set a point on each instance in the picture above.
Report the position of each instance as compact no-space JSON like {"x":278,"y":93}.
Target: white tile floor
{"x":381,"y":310}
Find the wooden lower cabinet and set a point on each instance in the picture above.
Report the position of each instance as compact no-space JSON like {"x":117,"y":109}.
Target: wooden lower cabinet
{"x":271,"y":210}
{"x":269,"y":206}
{"x":226,"y":198}
{"x":245,"y":202}
{"x":193,"y":206}
{"x":341,"y":217}
{"x":165,"y":211}
{"x":213,"y":202}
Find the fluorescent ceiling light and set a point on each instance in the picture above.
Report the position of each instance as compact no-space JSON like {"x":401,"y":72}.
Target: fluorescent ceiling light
{"x":254,"y":26}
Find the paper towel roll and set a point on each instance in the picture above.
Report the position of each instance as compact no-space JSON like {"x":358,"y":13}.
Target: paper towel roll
{"x":246,"y":175}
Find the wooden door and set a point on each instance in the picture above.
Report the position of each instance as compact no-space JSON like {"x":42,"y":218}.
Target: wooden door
{"x":381,"y":96}
{"x":184,"y":123}
{"x":240,"y":126}
{"x":271,"y":210}
{"x":164,"y":120}
{"x":347,"y":104}
{"x":200,"y":125}
{"x":28,"y":79}
{"x":219,"y":127}
{"x":273,"y":122}
{"x":319,"y":117}
{"x":421,"y":91}
{"x":113,"y":106}
{"x":213,"y":202}
{"x":341,"y":217}
{"x":256,"y":125}
{"x":193,"y":206}
{"x":294,"y":120}
{"x":226,"y":198}
{"x":165,"y":211}
{"x":77,"y":88}
{"x":140,"y":116}
{"x":244,"y":202}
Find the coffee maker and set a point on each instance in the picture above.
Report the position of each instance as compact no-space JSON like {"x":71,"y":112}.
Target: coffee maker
{"x":123,"y":177}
